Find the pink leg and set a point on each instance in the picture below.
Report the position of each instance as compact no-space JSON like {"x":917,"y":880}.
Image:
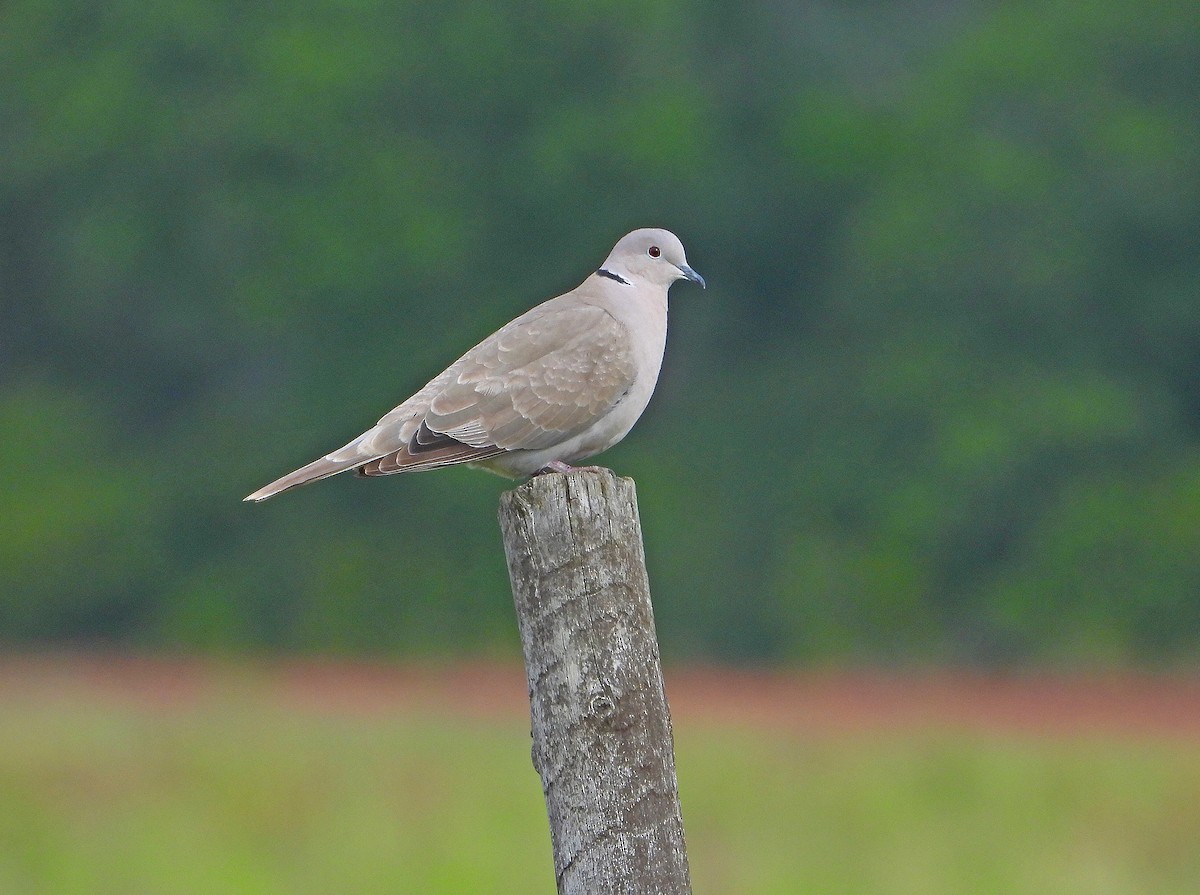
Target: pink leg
{"x":560,"y":466}
{"x":555,"y":466}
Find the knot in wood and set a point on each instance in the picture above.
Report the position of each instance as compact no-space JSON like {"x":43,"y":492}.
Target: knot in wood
{"x":605,"y":710}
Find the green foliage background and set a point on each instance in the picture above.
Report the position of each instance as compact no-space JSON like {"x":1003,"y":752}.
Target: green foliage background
{"x":941,"y":400}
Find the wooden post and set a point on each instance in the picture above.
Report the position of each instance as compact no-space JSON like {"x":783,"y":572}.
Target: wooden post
{"x":601,"y":729}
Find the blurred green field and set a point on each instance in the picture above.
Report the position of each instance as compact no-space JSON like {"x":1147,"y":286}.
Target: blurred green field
{"x":237,"y":791}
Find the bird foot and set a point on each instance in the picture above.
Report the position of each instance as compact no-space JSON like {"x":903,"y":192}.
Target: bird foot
{"x":560,"y":466}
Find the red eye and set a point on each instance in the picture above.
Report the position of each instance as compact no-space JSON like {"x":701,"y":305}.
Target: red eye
{"x":655,"y":251}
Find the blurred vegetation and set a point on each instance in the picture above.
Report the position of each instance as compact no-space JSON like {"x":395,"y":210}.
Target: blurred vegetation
{"x":237,"y":793}
{"x":941,"y":400}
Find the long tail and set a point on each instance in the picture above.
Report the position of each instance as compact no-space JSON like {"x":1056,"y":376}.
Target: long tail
{"x":314,"y":471}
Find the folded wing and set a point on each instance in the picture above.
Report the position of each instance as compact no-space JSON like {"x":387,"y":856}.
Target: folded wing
{"x":544,"y":378}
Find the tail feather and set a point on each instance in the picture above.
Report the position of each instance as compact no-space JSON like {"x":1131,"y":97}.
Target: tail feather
{"x":450,"y":454}
{"x":318,"y":469}
{"x":370,"y":459}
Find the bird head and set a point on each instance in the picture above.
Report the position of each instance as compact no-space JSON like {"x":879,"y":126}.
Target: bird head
{"x":651,"y":255}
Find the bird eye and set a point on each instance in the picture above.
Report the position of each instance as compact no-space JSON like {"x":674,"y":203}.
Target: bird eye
{"x":655,"y":251}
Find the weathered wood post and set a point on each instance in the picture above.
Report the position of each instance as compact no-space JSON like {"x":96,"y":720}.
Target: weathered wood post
{"x":602,"y":740}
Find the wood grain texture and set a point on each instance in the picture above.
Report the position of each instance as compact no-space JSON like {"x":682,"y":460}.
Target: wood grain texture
{"x":601,"y":728}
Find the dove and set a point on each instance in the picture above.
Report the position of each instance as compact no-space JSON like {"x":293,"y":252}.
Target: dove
{"x":561,"y":383}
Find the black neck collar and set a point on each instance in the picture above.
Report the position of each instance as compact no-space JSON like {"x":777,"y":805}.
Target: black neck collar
{"x":612,"y":276}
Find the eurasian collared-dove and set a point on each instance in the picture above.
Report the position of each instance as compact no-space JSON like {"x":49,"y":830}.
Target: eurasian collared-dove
{"x":564,"y":381}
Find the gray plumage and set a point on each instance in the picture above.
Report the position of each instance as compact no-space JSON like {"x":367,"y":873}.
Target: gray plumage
{"x":564,"y":381}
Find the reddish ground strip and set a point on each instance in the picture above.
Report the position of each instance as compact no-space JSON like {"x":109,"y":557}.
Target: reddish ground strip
{"x":1131,"y":704}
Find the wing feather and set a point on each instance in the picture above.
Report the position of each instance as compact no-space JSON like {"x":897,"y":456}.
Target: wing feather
{"x":538,"y":381}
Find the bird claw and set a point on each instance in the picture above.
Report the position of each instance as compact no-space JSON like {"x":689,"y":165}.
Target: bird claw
{"x":560,"y":466}
{"x":555,"y":466}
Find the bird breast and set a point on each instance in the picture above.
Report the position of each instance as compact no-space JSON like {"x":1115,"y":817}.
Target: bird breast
{"x":646,"y":322}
